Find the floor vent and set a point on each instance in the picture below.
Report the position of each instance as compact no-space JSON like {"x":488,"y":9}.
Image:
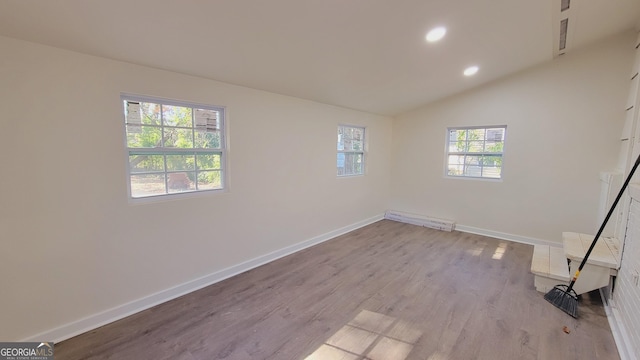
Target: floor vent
{"x":430,"y":222}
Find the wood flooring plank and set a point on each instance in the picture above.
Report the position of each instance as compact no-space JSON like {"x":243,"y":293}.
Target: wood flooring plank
{"x":385,"y":291}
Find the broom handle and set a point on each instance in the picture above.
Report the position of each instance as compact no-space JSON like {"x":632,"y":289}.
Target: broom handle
{"x":604,"y":223}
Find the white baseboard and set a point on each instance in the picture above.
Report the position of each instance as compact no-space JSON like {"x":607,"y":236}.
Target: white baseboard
{"x":620,"y":335}
{"x":94,"y":321}
{"x":506,"y":236}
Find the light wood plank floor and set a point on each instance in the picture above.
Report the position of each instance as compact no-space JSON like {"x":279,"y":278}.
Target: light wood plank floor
{"x":388,"y":291}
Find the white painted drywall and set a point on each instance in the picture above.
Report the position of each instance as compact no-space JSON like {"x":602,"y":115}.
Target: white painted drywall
{"x":564,"y":120}
{"x":72,"y":244}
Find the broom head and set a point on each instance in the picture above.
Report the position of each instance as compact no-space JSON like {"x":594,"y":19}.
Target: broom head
{"x":564,"y":299}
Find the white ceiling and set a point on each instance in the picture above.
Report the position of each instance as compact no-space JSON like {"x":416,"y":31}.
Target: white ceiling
{"x":362,"y":54}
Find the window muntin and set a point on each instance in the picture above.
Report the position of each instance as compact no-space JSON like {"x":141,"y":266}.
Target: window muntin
{"x":173,"y":147}
{"x":475,"y":152}
{"x":350,"y":160}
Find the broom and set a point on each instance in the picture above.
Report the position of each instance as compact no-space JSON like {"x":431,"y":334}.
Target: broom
{"x":564,"y":297}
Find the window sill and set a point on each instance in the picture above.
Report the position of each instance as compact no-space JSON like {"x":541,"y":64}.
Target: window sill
{"x":473,"y":178}
{"x":175,"y":197}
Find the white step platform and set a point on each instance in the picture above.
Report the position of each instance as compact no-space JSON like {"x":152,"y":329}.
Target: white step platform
{"x":601,"y":264}
{"x":549,"y":265}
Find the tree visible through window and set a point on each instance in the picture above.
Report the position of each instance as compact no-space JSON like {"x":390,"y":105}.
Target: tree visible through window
{"x":475,"y":151}
{"x":173,"y":147}
{"x":350,"y":150}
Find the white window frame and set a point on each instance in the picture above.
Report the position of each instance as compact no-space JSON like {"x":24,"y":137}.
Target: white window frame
{"x":362,"y":152}
{"x":167,"y":151}
{"x":468,"y":152}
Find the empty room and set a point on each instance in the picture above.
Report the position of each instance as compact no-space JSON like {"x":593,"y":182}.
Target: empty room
{"x":381,"y":180}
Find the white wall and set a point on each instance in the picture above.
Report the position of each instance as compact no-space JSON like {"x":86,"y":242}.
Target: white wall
{"x":72,"y":245}
{"x":623,"y":309}
{"x":626,"y":296}
{"x":564,"y":120}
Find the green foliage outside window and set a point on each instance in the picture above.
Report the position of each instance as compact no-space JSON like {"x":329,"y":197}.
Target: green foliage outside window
{"x":188,"y":158}
{"x":475,"y":152}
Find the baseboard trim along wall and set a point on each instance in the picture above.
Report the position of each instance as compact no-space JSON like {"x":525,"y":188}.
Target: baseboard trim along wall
{"x":92,"y":322}
{"x":506,"y":236}
{"x":620,"y":335}
{"x":450,"y":225}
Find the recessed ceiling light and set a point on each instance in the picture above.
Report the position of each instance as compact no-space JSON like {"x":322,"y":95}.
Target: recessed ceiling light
{"x":471,"y":70}
{"x":436,"y":34}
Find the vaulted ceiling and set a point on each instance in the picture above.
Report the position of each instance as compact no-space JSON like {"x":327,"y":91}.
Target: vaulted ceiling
{"x":369,"y":55}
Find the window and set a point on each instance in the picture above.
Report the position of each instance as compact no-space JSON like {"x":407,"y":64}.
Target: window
{"x":350,"y":150}
{"x":475,"y":152}
{"x":173,"y":147}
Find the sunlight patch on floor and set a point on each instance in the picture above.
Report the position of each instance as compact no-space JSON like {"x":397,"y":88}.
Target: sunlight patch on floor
{"x":500,"y":250}
{"x":372,"y":335}
{"x":476,"y":251}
